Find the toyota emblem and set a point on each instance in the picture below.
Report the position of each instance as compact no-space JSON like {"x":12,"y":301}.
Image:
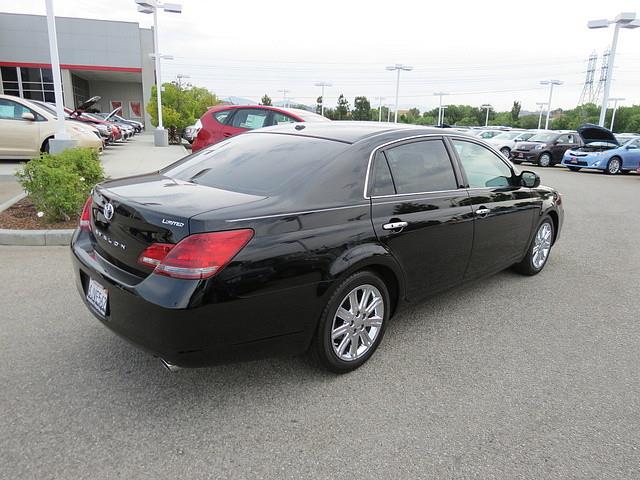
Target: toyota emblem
{"x":108,"y":211}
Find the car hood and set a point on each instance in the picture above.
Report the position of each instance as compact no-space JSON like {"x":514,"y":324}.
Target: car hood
{"x":87,"y":104}
{"x":593,"y":133}
{"x":114,"y":112}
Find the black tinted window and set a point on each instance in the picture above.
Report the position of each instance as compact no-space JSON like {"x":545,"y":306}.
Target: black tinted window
{"x":482,"y":166}
{"x":260,"y":164}
{"x":382,"y":183}
{"x":421,"y":167}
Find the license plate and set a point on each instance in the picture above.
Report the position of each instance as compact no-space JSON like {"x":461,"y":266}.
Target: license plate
{"x":521,"y":155}
{"x":573,"y":160}
{"x":97,"y":296}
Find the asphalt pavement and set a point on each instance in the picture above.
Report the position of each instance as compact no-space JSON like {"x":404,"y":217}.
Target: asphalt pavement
{"x":510,"y":377}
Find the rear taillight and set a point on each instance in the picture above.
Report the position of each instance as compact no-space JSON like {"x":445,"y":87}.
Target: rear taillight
{"x":197,"y":256}
{"x":85,"y":217}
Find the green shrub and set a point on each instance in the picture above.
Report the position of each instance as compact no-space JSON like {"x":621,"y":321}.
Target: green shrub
{"x":58,"y":185}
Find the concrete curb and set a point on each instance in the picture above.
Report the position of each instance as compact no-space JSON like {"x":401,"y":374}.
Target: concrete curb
{"x":42,"y":238}
{"x":11,"y":201}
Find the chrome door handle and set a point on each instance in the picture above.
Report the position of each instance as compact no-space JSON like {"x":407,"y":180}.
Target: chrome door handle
{"x":394,"y":225}
{"x":482,"y":211}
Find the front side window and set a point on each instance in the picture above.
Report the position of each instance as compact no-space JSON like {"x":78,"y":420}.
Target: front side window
{"x":565,"y":139}
{"x":250,"y":118}
{"x":482,"y":166}
{"x":422,"y":166}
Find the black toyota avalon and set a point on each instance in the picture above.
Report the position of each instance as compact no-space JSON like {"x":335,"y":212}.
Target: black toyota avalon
{"x":303,"y":237}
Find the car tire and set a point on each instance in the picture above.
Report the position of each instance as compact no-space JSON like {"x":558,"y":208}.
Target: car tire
{"x":575,"y":169}
{"x":340,"y":342}
{"x":614,"y":166}
{"x":506,"y":151}
{"x":544,"y":160}
{"x":516,"y":162}
{"x":539,"y":249}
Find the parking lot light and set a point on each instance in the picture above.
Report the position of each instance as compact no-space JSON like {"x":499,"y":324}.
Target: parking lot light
{"x":152,"y":6}
{"x":551,"y":83}
{"x":488,"y":107}
{"x":440,"y":110}
{"x":398,"y":67}
{"x":322,"y":84}
{"x":541,"y":105}
{"x":623,"y":20}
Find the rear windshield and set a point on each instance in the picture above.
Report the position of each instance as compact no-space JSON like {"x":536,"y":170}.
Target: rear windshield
{"x":256,"y":163}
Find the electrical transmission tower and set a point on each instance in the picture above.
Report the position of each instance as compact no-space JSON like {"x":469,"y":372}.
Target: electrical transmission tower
{"x":588,"y":90}
{"x":604,"y":72}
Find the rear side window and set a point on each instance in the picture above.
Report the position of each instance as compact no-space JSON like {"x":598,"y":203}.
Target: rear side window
{"x":422,"y":166}
{"x":381,"y":175}
{"x":280,"y":118}
{"x":259,"y":163}
{"x":250,"y":118}
{"x":222,"y":116}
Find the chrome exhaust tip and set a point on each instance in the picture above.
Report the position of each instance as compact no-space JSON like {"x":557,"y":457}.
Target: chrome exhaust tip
{"x":170,"y":366}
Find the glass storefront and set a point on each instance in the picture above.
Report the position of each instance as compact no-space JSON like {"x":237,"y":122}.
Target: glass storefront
{"x":27,"y":82}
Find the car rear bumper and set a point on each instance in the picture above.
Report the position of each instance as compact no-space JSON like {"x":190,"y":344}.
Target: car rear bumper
{"x":159,"y":314}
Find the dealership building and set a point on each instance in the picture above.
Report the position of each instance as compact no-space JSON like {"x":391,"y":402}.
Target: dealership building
{"x":97,"y":58}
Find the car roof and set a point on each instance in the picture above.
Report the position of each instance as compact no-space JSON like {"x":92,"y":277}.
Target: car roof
{"x":349,"y":131}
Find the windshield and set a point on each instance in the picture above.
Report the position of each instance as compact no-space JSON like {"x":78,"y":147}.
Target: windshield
{"x":543,"y":137}
{"x":257,"y":163}
{"x":525,"y":136}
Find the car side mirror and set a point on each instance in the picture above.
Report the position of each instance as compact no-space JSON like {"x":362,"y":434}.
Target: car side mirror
{"x":28,"y":116}
{"x":529,"y":179}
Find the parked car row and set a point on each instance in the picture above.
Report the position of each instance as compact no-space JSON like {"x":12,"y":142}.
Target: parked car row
{"x":27,"y":126}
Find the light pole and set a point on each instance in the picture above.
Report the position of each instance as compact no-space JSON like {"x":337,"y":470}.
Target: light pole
{"x":398,"y":67}
{"x":161,"y":138}
{"x":541,"y":105}
{"x":180,"y":76}
{"x":443,"y":108}
{"x":284,"y":92}
{"x":488,"y":107}
{"x":440,"y":112}
{"x":615,"y":101}
{"x":623,"y":20}
{"x":551,"y":83}
{"x":380,"y":108}
{"x":322,"y":84}
{"x":62,"y":139}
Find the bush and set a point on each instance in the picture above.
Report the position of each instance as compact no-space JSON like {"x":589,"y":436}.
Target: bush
{"x":58,"y":185}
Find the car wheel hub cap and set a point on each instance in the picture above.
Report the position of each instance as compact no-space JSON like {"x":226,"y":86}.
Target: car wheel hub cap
{"x":542,"y":245}
{"x":357,"y":322}
{"x":613,"y":166}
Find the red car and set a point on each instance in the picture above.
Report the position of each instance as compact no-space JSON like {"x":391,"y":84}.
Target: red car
{"x":224,"y":121}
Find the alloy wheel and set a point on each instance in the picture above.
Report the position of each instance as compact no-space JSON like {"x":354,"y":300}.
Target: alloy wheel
{"x":545,"y":160}
{"x":541,"y":245}
{"x":614,"y":166}
{"x":357,"y":322}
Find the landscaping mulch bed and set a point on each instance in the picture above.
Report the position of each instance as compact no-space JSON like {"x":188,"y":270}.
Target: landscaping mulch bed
{"x":23,"y":216}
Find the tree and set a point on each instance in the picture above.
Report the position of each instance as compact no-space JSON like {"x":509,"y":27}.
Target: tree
{"x":342,"y":110}
{"x":515,"y":111}
{"x":266,"y":100}
{"x":361,"y":109}
{"x":181,"y":107}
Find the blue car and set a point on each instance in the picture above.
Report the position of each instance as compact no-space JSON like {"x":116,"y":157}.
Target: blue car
{"x":602,"y":151}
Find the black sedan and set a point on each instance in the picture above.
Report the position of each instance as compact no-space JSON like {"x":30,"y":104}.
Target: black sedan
{"x":303,"y":238}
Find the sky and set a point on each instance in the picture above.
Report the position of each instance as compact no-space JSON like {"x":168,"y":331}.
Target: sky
{"x":479,"y":52}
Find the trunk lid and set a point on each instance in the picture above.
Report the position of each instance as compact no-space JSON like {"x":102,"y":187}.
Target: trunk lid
{"x":130,"y":214}
{"x":593,"y":133}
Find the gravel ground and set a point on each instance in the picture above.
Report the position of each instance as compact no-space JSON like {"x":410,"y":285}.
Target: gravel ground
{"x":511,"y":377}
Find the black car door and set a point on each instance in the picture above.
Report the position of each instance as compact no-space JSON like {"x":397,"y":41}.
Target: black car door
{"x":420,"y":213}
{"x":561,"y":145}
{"x":504,"y":211}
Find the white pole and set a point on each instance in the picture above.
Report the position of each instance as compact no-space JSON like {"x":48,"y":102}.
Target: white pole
{"x":379,"y":109}
{"x":397,"y":90}
{"x":61,"y":132}
{"x":540,"y":116}
{"x":546,"y":123}
{"x":158,"y":75}
{"x":486,"y":120}
{"x":613,"y":115}
{"x":440,"y":111}
{"x":388,"y":114}
{"x":607,"y":83}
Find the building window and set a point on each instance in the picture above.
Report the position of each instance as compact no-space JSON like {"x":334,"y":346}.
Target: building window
{"x":30,"y":83}
{"x":80,"y":90}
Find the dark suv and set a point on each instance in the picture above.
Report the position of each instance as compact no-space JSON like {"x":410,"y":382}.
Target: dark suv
{"x":545,"y":148}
